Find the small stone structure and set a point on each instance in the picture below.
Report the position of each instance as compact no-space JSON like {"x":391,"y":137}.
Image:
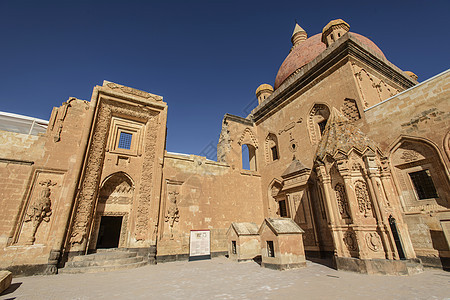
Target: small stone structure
{"x":281,"y":244}
{"x":243,"y":241}
{"x":5,"y":280}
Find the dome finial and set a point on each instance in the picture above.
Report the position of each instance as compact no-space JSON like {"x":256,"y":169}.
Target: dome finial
{"x":299,"y":35}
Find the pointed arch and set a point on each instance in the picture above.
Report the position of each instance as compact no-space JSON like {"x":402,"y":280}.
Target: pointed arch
{"x":317,"y":119}
{"x":272,"y":151}
{"x":420,"y":175}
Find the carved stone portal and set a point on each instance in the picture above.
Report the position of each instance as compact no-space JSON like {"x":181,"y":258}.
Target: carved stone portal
{"x":173,"y":212}
{"x":40,"y":210}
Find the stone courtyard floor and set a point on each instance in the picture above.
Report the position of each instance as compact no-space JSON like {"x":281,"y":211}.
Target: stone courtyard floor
{"x":220,"y":278}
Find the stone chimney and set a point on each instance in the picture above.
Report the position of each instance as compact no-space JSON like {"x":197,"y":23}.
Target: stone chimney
{"x":333,"y":31}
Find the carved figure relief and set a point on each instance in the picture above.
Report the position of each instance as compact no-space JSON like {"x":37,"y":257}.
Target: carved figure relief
{"x":350,"y":240}
{"x":40,"y":210}
{"x":342,"y":201}
{"x":373,"y":241}
{"x":173,"y":212}
{"x":363,"y":199}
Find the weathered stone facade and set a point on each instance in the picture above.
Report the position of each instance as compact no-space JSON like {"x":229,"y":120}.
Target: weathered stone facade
{"x":347,"y":145}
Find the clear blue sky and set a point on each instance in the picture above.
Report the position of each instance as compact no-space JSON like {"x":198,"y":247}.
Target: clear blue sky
{"x":206,"y":58}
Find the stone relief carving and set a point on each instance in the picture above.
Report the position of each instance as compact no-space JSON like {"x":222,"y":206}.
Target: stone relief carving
{"x":362,"y":197}
{"x":132,"y":91}
{"x":289,"y":126}
{"x":411,"y":155}
{"x":350,"y":110}
{"x":60,"y":115}
{"x":342,"y":201}
{"x":381,"y":89}
{"x":432,"y":114}
{"x":88,"y":190}
{"x":173,"y":213}
{"x":40,"y":210}
{"x":118,"y":190}
{"x":350,"y":240}
{"x":373,"y":241}
{"x":249,"y":136}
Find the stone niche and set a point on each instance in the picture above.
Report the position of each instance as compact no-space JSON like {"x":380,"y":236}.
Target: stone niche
{"x":281,"y":244}
{"x":243,"y":241}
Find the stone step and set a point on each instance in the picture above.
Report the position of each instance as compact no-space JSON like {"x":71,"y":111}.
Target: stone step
{"x":110,"y":255}
{"x":106,"y":262}
{"x":97,"y":269}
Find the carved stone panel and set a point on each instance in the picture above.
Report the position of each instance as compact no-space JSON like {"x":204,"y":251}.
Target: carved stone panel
{"x":362,"y":196}
{"x":341,"y":197}
{"x":43,"y":202}
{"x":373,"y":241}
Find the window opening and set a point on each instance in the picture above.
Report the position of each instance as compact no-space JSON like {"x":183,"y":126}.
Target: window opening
{"x":270,"y":252}
{"x":322,"y":126}
{"x":233,"y":247}
{"x":283,"y":210}
{"x":274,"y":153}
{"x":423,"y":184}
{"x":125,"y":140}
{"x":396,"y":236}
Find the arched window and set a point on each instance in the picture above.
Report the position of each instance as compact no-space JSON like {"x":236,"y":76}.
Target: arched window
{"x":272,"y":151}
{"x":419,"y":173}
{"x":248,"y":157}
{"x":317,"y":122}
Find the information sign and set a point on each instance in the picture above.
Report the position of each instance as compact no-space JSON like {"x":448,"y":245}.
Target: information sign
{"x":200,"y":245}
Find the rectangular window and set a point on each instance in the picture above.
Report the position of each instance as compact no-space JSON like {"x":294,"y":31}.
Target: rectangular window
{"x":283,"y":210}
{"x":270,"y":252}
{"x":274,"y":153}
{"x":233,"y":247}
{"x":125,"y":140}
{"x":423,"y":184}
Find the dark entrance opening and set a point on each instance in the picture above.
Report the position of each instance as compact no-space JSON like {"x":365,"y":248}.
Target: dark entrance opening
{"x":109,"y":232}
{"x":397,"y":241}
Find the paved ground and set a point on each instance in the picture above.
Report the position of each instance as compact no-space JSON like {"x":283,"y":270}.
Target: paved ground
{"x":220,"y":278}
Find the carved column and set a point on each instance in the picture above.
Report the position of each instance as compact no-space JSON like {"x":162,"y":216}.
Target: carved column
{"x":382,"y":223}
{"x":352,"y":201}
{"x":325,"y":180}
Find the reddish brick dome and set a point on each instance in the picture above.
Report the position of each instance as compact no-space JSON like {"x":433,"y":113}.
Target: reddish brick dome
{"x":305,"y":52}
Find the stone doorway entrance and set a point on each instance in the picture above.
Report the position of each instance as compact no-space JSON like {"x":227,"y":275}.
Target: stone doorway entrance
{"x":396,"y":236}
{"x":109,"y":232}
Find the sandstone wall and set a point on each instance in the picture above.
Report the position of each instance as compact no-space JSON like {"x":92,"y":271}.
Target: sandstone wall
{"x":209,"y":195}
{"x":412,"y":129}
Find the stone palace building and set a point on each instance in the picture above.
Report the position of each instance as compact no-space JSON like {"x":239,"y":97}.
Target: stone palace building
{"x":353,"y":149}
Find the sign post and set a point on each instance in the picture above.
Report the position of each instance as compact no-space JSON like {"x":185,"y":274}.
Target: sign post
{"x":200,"y":245}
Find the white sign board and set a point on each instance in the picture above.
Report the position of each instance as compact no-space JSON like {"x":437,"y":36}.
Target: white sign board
{"x":200,"y":244}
